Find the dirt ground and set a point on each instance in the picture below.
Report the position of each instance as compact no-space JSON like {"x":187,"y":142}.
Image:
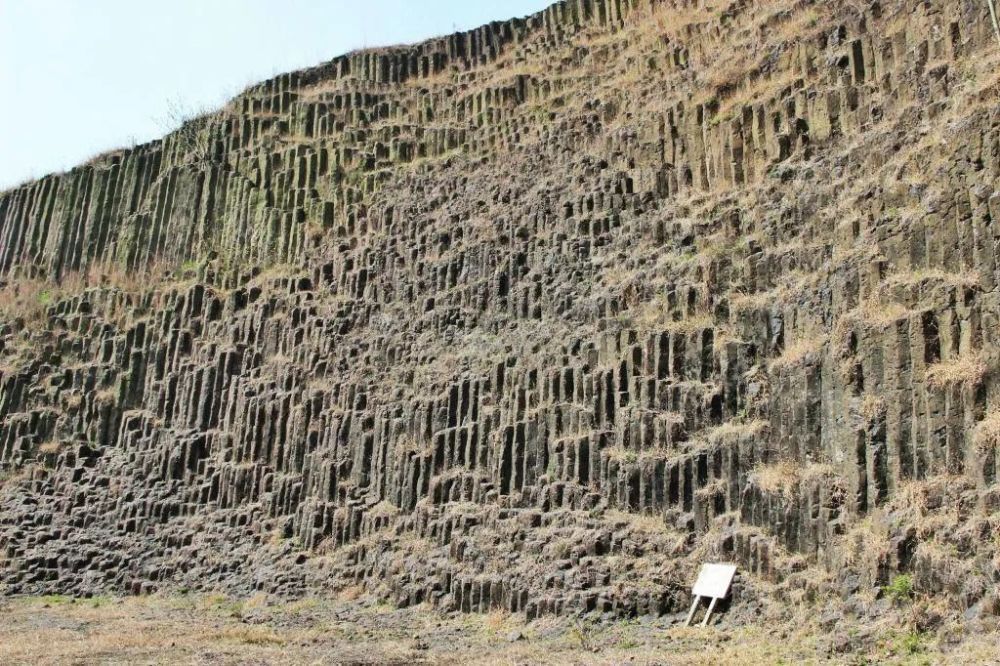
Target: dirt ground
{"x":217,"y":630}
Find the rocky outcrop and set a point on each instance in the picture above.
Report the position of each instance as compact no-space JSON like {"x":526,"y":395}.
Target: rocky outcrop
{"x":537,"y":316}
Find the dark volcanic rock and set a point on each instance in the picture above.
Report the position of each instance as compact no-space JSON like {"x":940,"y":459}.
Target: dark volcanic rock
{"x":538,"y":316}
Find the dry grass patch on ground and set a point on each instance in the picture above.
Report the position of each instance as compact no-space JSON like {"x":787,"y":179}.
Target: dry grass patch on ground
{"x":207,"y":629}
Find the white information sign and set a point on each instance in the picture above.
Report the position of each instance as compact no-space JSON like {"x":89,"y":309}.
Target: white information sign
{"x":713,"y":582}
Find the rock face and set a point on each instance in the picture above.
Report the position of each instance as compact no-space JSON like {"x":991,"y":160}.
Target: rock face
{"x":538,"y":316}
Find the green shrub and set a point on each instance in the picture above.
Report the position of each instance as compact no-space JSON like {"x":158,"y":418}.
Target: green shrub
{"x":900,"y":589}
{"x":911,"y":643}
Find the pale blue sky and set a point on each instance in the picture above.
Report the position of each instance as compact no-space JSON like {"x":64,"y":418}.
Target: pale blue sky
{"x":78,"y":77}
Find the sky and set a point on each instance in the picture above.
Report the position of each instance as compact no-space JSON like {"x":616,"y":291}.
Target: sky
{"x":80,"y":77}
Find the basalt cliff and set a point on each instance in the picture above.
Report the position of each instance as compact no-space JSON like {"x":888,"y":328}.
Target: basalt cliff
{"x":536,"y":317}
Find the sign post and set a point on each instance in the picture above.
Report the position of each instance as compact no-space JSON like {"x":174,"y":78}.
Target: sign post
{"x":713,"y":582}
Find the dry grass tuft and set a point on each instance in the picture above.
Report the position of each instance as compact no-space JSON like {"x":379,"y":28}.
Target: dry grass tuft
{"x":785,"y":476}
{"x":251,"y":636}
{"x":384,"y":509}
{"x":655,"y":317}
{"x":50,"y":448}
{"x":876,"y":314}
{"x":802,"y":349}
{"x":733,"y":430}
{"x":873,"y":407}
{"x":621,"y":455}
{"x":965,"y":371}
{"x":641,"y":522}
{"x":967,"y":279}
{"x":780,"y":478}
{"x":351,"y":593}
{"x":986,"y":436}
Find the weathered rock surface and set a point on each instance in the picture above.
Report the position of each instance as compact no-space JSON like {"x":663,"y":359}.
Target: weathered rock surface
{"x":537,"y":316}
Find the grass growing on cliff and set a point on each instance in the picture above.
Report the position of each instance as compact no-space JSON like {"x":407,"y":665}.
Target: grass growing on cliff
{"x":784,"y":477}
{"x":780,"y":478}
{"x":900,"y":589}
{"x":29,"y":298}
{"x":986,"y":436}
{"x":51,"y":447}
{"x":873,"y":408}
{"x":807,"y":346}
{"x":968,"y":370}
{"x":25,"y":299}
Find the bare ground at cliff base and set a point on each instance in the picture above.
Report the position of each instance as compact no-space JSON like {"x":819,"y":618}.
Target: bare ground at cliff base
{"x":219,"y":630}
